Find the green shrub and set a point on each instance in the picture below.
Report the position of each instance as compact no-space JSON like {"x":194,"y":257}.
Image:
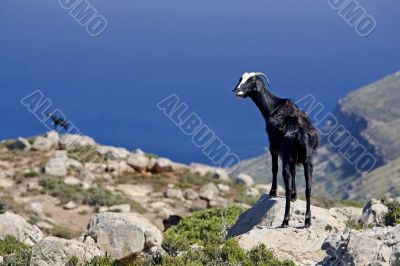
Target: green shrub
{"x":357,"y":225}
{"x":73,"y":261}
{"x":101,"y":261}
{"x":393,"y":216}
{"x":11,"y":245}
{"x":207,"y":230}
{"x":63,"y":232}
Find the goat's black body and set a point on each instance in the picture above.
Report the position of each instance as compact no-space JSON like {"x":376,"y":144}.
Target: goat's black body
{"x":291,"y":136}
{"x":59,"y":122}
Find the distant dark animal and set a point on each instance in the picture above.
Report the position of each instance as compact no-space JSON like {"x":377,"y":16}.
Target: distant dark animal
{"x":59,"y":122}
{"x":291,"y":136}
{"x":171,"y":221}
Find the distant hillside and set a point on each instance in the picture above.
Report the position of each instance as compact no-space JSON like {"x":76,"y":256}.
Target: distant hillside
{"x":372,"y":115}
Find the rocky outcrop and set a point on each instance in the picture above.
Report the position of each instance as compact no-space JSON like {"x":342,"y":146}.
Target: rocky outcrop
{"x":53,"y":251}
{"x":374,"y":213}
{"x":261,"y":224}
{"x":122,"y":235}
{"x":376,"y":246}
{"x":14,"y":225}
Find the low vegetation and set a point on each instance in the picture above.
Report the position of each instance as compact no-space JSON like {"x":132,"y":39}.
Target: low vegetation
{"x":21,"y":253}
{"x":200,"y":239}
{"x":393,"y":216}
{"x":94,"y":196}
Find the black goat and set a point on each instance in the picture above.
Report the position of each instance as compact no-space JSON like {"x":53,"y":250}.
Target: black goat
{"x":59,"y":122}
{"x":291,"y":136}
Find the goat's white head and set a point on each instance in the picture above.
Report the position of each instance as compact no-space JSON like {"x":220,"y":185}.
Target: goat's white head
{"x":247,"y":84}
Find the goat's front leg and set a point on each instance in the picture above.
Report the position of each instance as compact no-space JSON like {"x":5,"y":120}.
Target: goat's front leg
{"x":274,"y":188}
{"x":308,"y":170}
{"x":288,"y":192}
{"x":293,"y":176}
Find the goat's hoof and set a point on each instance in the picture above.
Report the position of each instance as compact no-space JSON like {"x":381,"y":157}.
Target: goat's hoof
{"x":308,"y":223}
{"x":272,"y":194}
{"x":293,"y":197}
{"x":285,"y":224}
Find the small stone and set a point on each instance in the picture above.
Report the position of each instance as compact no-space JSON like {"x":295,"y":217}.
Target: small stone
{"x":174,"y":193}
{"x":223,"y":187}
{"x":70,"y":205}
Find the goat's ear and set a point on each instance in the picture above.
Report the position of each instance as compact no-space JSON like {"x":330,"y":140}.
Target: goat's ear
{"x":259,"y":85}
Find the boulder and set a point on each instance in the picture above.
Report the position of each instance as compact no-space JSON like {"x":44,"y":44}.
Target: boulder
{"x":219,"y":202}
{"x":375,"y":246}
{"x":223,"y":187}
{"x":138,"y":161}
{"x":209,"y":192}
{"x":190,"y":194}
{"x":113,"y":152}
{"x":19,"y":144}
{"x":261,"y":225}
{"x":122,"y":235}
{"x":54,"y":138}
{"x":163,"y":165}
{"x":374,"y":212}
{"x":72,"y":142}
{"x":14,"y":225}
{"x":174,"y":193}
{"x":42,"y":144}
{"x":351,"y":213}
{"x":244,"y":179}
{"x":58,"y":164}
{"x":252,"y":192}
{"x":57,"y":251}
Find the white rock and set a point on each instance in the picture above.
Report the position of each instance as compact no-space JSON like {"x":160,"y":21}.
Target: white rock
{"x":53,"y":251}
{"x":20,"y":144}
{"x":138,"y":161}
{"x":190,"y":194}
{"x":223,"y":187}
{"x":72,"y":142}
{"x":374,"y":212}
{"x":260,"y":225}
{"x":70,"y":205}
{"x":54,"y":138}
{"x":209,"y":192}
{"x":72,"y":181}
{"x":58,"y":164}
{"x":113,"y":152}
{"x":15,"y":225}
{"x":121,"y":235}
{"x":252,"y":192}
{"x":163,"y":165}
{"x":36,"y":208}
{"x":244,"y":180}
{"x":375,"y":246}
{"x":42,"y":144}
{"x":203,"y":170}
{"x":174,"y":193}
{"x":219,"y":202}
{"x":351,"y":213}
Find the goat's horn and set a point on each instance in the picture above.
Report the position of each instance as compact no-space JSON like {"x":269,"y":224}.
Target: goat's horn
{"x":262,"y":74}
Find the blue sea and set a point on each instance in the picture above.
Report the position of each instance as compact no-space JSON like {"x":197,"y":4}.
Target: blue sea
{"x":109,"y":86}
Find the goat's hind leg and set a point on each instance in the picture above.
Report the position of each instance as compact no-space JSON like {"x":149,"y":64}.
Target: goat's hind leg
{"x":274,"y":188}
{"x":288,"y":192}
{"x":308,"y":170}
{"x":293,"y":176}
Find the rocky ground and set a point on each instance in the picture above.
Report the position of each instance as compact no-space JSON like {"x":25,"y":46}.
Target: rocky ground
{"x":73,"y":200}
